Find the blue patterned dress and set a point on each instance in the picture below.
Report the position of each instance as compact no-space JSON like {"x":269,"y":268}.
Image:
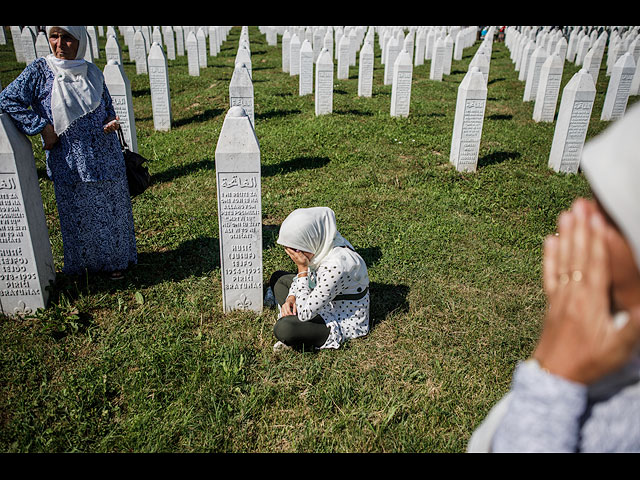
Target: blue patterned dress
{"x":88,"y":173}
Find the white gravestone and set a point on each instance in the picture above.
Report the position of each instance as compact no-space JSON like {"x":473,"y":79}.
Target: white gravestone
{"x":26,"y":262}
{"x":16,"y":35}
{"x":202,"y":48}
{"x":286,"y":50}
{"x":392,"y":50}
{"x":120,"y":90}
{"x":365,"y":70}
{"x":140,"y":52}
{"x":617,"y":96}
{"x":294,"y":55}
{"x":468,"y":122}
{"x":179,"y":31}
{"x":244,"y":56}
{"x":437,"y":61}
{"x":401,"y":86}
{"x":344,"y":50}
{"x":574,"y":114}
{"x":237,"y":158}
{"x":305,"y":80}
{"x":112,"y":50}
{"x":169,"y":41}
{"x":42,"y":45}
{"x":160,"y":93}
{"x":536,"y":61}
{"x":548,"y":89}
{"x":324,"y":83}
{"x":241,"y":91}
{"x":28,"y":45}
{"x":193,"y":61}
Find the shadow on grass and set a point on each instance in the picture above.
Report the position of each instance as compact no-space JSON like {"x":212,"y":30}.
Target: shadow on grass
{"x":179,"y":171}
{"x":498,"y":116}
{"x":195,"y":257}
{"x":205,"y":116}
{"x":496,"y":157}
{"x":276,"y":114}
{"x":298,"y":163}
{"x":386,"y":298}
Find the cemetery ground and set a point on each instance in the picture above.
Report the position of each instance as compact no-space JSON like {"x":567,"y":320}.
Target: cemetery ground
{"x":151,"y":364}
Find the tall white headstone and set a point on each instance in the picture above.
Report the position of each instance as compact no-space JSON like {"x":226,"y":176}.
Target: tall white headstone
{"x":548,"y":89}
{"x":241,"y":91}
{"x":401,"y":86}
{"x":28,"y":45}
{"x":202,"y":47}
{"x":305,"y":80}
{"x":193,"y":56}
{"x":120,"y":90}
{"x":536,"y":61}
{"x":392,"y":51}
{"x":286,"y":50}
{"x":42,"y":45}
{"x":617,"y":96}
{"x":572,"y":123}
{"x":468,"y":122}
{"x":169,"y":42}
{"x":344,"y":51}
{"x":140,"y":52}
{"x":27,"y":263}
{"x":160,"y":93}
{"x":294,"y":55}
{"x":237,"y":160}
{"x":112,"y":50}
{"x":437,"y":61}
{"x":324,"y":83}
{"x":365,"y":70}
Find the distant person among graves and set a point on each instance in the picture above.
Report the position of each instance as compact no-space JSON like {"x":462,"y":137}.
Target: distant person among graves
{"x":580,"y":392}
{"x":64,"y":99}
{"x":326,"y":302}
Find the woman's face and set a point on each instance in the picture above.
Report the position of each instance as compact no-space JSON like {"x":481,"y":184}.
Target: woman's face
{"x":63,"y":45}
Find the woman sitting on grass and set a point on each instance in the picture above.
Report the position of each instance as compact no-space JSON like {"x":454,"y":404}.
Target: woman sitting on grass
{"x":326,"y":302}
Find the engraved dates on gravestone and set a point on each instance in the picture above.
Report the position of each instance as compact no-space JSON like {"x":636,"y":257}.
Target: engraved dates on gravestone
{"x":237,"y":159}
{"x":26,"y":262}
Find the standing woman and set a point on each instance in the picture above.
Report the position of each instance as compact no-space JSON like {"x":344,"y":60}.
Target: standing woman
{"x":326,"y":302}
{"x":64,"y":98}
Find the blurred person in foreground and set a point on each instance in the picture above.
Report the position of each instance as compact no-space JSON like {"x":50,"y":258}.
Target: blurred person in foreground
{"x":580,"y":391}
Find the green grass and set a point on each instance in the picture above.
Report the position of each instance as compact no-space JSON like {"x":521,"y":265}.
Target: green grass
{"x":152,"y":364}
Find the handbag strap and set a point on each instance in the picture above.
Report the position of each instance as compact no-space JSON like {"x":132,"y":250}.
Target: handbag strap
{"x":123,"y":143}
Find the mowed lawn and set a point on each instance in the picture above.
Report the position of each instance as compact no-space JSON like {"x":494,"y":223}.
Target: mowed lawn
{"x":151,"y":364}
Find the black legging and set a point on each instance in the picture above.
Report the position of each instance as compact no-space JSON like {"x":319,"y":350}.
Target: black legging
{"x":290,"y":330}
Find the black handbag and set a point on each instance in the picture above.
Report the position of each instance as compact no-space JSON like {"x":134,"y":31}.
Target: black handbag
{"x":138,"y":175}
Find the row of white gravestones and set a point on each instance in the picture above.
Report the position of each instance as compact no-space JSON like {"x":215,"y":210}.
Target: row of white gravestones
{"x":237,"y":160}
{"x":26,"y":265}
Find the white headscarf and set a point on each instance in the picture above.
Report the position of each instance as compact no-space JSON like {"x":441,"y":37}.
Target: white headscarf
{"x":611,"y":163}
{"x":77,"y":84}
{"x":312,"y":230}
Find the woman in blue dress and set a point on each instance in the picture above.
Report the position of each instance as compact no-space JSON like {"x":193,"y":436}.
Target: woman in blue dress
{"x":64,"y":98}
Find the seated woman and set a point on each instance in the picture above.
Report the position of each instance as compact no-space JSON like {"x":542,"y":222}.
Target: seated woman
{"x":326,"y":302}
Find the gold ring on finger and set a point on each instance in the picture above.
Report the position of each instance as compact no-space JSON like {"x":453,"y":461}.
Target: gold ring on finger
{"x":563,"y":279}
{"x":576,"y":275}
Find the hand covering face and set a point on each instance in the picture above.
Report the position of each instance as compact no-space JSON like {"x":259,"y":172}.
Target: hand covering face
{"x":312,"y":230}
